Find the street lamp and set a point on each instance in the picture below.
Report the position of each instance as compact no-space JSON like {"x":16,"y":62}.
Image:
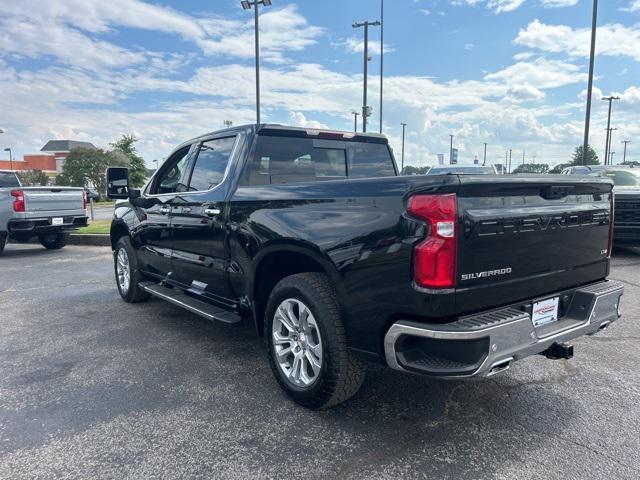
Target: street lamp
{"x":607,"y":144}
{"x":366,"y":110}
{"x":10,"y":157}
{"x":451,"y":151}
{"x":246,"y":5}
{"x":355,"y":121}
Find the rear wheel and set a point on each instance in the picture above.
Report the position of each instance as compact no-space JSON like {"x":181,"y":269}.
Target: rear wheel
{"x":127,"y":274}
{"x":307,"y":342}
{"x":3,"y":241}
{"x":54,"y":241}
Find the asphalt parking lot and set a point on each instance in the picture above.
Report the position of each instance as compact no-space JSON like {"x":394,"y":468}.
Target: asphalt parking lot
{"x":91,"y":387}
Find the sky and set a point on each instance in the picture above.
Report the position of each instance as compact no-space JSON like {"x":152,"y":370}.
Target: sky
{"x":511,"y":73}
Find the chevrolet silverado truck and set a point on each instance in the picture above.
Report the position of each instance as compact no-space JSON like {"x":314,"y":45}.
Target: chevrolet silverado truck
{"x":314,"y":238}
{"x":48,"y":213}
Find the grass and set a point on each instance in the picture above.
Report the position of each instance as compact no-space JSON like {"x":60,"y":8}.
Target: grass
{"x":96,"y":227}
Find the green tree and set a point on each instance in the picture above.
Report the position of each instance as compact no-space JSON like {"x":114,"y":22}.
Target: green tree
{"x":137,"y":168}
{"x":592,"y":156}
{"x":532,"y":168}
{"x":33,"y":177}
{"x":87,"y":166}
{"x":558,"y":168}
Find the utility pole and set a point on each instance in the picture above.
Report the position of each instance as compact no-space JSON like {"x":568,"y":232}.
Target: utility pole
{"x":366,"y":110}
{"x":355,"y":121}
{"x":484,"y":162}
{"x":381,"y":57}
{"x":246,"y":5}
{"x":451,"y":151}
{"x":610,"y":99}
{"x":592,"y":56}
{"x":523,"y":158}
{"x":506,"y":162}
{"x":510,"y":152}
{"x":624,"y":155}
{"x":404,"y":126}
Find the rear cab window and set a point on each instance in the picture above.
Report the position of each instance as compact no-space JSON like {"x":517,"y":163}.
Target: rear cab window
{"x":8,"y":180}
{"x":282,"y":159}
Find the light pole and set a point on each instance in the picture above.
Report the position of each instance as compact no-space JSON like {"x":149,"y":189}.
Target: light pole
{"x":609,"y":99}
{"x":451,"y":150}
{"x":404,"y":127}
{"x":611,"y":154}
{"x":592,"y":56}
{"x":355,"y":121}
{"x":246,"y":5}
{"x":484,"y":162}
{"x":510,"y":152}
{"x":365,"y":107}
{"x":609,"y":138}
{"x":10,"y":158}
{"x":624,"y":155}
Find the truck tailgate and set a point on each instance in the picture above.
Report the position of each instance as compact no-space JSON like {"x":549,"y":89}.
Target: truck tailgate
{"x":40,"y":200}
{"x":526,"y":237}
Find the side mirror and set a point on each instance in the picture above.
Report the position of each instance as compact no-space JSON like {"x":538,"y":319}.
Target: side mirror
{"x":117,"y":183}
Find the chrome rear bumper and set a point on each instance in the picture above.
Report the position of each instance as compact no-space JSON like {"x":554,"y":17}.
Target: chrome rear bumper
{"x":487,"y":343}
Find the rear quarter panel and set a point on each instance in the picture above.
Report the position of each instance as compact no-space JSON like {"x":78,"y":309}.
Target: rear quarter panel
{"x":358,"y":231}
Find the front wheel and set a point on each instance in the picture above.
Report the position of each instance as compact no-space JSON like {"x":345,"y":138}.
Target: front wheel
{"x":307,"y":342}
{"x":54,"y":241}
{"x":127,"y":274}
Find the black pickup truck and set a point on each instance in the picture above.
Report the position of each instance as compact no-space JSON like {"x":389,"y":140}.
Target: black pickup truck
{"x":313,"y":237}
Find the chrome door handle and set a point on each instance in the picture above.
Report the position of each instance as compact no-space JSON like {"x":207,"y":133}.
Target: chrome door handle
{"x":165,"y":210}
{"x":211,"y":212}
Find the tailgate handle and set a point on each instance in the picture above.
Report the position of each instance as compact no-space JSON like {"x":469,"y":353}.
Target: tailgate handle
{"x":554,"y":192}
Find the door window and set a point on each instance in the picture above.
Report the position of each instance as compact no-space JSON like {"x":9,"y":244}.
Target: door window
{"x":211,"y":163}
{"x":170,"y":179}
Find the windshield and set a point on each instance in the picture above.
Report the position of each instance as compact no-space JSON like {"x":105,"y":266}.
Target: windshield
{"x":461,"y":170}
{"x":8,"y":180}
{"x":622,"y":178}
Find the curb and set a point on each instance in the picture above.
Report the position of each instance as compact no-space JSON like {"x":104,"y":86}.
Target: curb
{"x":95,"y":240}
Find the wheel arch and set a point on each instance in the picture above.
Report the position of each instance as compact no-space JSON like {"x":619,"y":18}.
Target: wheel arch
{"x":281,"y":260}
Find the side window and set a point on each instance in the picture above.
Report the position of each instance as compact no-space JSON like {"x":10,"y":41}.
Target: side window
{"x":367,"y":160}
{"x":171,"y":177}
{"x":211,"y":163}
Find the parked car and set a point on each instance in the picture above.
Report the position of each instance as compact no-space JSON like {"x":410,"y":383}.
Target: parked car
{"x":627,"y":199}
{"x":313,"y":237}
{"x":462,"y":170}
{"x":48,"y":213}
{"x":92,"y":194}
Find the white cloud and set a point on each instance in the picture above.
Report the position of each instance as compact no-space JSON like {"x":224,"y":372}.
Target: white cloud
{"x":525,"y":91}
{"x":297,"y":119}
{"x":356,"y":45}
{"x":498,"y":6}
{"x":542,"y":73}
{"x":634,"y":6}
{"x":613,"y":39}
{"x":559,"y":3}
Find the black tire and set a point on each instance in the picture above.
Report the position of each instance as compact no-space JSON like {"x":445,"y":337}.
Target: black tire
{"x":132,"y":294}
{"x":341,"y":374}
{"x":4,"y":238}
{"x":54,"y":241}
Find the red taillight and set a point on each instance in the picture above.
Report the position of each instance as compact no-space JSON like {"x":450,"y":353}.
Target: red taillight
{"x":18,"y":200}
{"x":84,"y":200}
{"x":612,"y":217}
{"x":434,"y":259}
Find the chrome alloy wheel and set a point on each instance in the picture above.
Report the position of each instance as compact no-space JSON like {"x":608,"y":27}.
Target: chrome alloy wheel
{"x":123,"y":270}
{"x":297,"y":342}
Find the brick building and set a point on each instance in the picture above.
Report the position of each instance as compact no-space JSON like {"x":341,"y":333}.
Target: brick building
{"x":50,"y":161}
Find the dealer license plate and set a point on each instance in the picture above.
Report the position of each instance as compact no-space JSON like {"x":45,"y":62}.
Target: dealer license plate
{"x":57,"y":221}
{"x":545,"y":312}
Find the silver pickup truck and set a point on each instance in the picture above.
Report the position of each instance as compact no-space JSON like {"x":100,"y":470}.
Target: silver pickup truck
{"x":48,"y":213}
